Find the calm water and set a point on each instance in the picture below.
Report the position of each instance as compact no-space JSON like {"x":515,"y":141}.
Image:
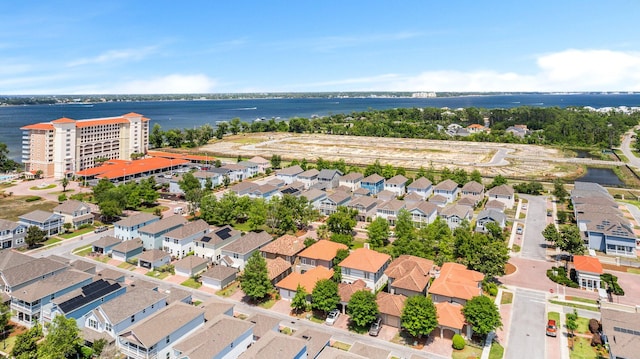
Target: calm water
{"x":187,"y":114}
{"x":603,"y":176}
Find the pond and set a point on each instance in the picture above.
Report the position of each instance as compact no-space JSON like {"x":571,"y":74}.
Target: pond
{"x":602,"y":176}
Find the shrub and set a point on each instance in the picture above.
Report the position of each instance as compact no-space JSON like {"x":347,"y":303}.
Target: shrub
{"x":62,"y":198}
{"x":32,"y":198}
{"x":594,"y":326}
{"x":458,"y":342}
{"x":490,"y":288}
{"x":596,"y":340}
{"x":561,"y":277}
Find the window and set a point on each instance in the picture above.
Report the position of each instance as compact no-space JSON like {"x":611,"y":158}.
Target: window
{"x":167,"y":340}
{"x":93,"y":324}
{"x":133,"y":318}
{"x":107,"y":327}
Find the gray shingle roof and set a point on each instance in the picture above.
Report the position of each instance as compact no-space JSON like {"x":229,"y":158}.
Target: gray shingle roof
{"x":10,"y":258}
{"x":219,"y":272}
{"x":374,"y":178}
{"x":128,"y":246}
{"x":328,"y":175}
{"x":163,"y":224}
{"x":39,"y":216}
{"x":274,"y":345}
{"x":420,"y":183}
{"x":473,"y":187}
{"x":190,"y":262}
{"x":352,"y":176}
{"x":446,"y":185}
{"x":130,"y":303}
{"x":502,"y":190}
{"x":249,"y":242}
{"x":189,"y":229}
{"x":25,"y":272}
{"x":290,"y":171}
{"x":397,"y":180}
{"x":50,"y":285}
{"x":69,"y":206}
{"x":211,"y":341}
{"x":153,"y":255}
{"x":6,"y":225}
{"x":136,"y":219}
{"x":106,"y":241}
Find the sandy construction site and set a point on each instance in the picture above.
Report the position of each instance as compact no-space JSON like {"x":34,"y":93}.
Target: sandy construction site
{"x":513,"y":160}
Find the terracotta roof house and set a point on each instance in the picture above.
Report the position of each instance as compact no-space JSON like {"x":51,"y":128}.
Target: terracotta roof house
{"x":222,"y":337}
{"x":75,"y":212}
{"x":476,"y":128}
{"x":389,"y":210}
{"x":450,"y":318}
{"x":456,"y":284}
{"x":127,"y":250}
{"x":48,"y":222}
{"x":330,"y":204}
{"x":588,"y":271}
{"x":288,"y":286}
{"x":490,"y":215}
{"x":321,"y":253}
{"x":346,"y":290}
{"x":396,"y":184}
{"x":308,"y":177}
{"x":155,"y":336}
{"x":179,"y":242}
{"x":278,"y":269}
{"x":351,"y":180}
{"x":276,"y":345}
{"x":210,"y":245}
{"x":447,"y":189}
{"x":153,"y":234}
{"x":503,"y":193}
{"x":373,"y":183}
{"x":12,"y":234}
{"x":366,"y":207}
{"x":218,"y":277}
{"x":285,"y":247}
{"x":366,"y":264}
{"x":422,"y":212}
{"x":422,"y":187}
{"x":409,"y":275}
{"x":105,"y":244}
{"x":127,"y":228}
{"x":621,"y":329}
{"x":368,"y":351}
{"x":191,"y":266}
{"x":330,"y":178}
{"x":455,"y":214}
{"x":390,"y":307}
{"x":289,"y":174}
{"x":153,"y":259}
{"x":236,"y":253}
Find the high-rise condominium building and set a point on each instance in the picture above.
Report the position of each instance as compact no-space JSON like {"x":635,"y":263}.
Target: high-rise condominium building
{"x":64,"y":146}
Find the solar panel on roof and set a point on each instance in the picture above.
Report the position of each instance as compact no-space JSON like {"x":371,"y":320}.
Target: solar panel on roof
{"x":224,"y":233}
{"x":205,"y":239}
{"x":90,"y":292}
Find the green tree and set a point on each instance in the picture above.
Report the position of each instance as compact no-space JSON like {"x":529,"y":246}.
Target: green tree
{"x":254,"y":281}
{"x":482,"y":314}
{"x":572,"y":321}
{"x":494,"y":231}
{"x":276,"y":161}
{"x":63,"y":339}
{"x":6,"y":163}
{"x":234,"y":126}
{"x":221,"y":129}
{"x":208,"y":184}
{"x":551,"y":234}
{"x":497,"y":181}
{"x":110,"y":210}
{"x":419,"y":316}
{"x":324,"y":296}
{"x":404,"y":228}
{"x":299,"y":301}
{"x":34,"y":236}
{"x":26,"y":344}
{"x":5,"y":315}
{"x":570,"y":240}
{"x":378,"y":232}
{"x":476,"y":176}
{"x":156,"y":137}
{"x":257,"y":216}
{"x":363,"y":308}
{"x":98,"y":346}
{"x":64,"y":182}
{"x":376,"y":167}
{"x":101,"y":190}
{"x":559,"y":191}
{"x":342,"y":221}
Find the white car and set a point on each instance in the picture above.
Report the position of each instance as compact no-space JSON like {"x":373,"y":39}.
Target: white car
{"x":332,"y":317}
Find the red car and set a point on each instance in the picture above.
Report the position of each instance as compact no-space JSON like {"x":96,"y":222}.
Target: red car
{"x":552,"y":330}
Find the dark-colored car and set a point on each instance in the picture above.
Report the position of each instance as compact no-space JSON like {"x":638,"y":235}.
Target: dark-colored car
{"x":374,"y":330}
{"x":552,"y":330}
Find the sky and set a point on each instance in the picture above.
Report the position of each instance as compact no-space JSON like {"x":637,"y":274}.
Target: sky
{"x":170,"y":47}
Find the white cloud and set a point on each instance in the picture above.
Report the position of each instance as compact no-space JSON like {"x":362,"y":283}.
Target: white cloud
{"x":175,"y":83}
{"x":569,"y":70}
{"x":115,"y":56}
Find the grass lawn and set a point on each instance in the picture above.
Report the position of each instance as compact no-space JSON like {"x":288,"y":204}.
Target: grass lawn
{"x":125,"y":265}
{"x":342,"y":346}
{"x":582,"y":349}
{"x":153,"y":209}
{"x":76,"y":233}
{"x":497,"y":351}
{"x":583,"y":325}
{"x":52,"y":240}
{"x":577,"y":306}
{"x":15,"y":206}
{"x":469,"y":351}
{"x":554,"y":316}
{"x":83,"y":251}
{"x":228,"y":291}
{"x":38,"y":188}
{"x":633,"y":270}
{"x":580,"y":299}
{"x":156,"y":274}
{"x":267,"y":304}
{"x":507,"y":298}
{"x":191,"y":283}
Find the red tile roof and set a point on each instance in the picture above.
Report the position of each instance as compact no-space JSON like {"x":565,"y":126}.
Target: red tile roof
{"x":64,"y":120}
{"x":450,"y":315}
{"x":346,"y":290}
{"x":391,"y":304}
{"x":118,"y":168}
{"x":307,"y":280}
{"x":366,"y":260}
{"x":410,"y":272}
{"x":456,"y":281}
{"x":587,"y":264}
{"x":38,"y":126}
{"x":322,"y":250}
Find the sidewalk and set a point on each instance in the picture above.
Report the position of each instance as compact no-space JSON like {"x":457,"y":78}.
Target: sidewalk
{"x":502,"y":333}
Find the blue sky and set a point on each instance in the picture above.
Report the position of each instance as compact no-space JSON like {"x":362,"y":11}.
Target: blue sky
{"x":119,"y":47}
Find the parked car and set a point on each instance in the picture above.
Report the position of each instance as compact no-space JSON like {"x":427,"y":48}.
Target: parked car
{"x":332,"y":317}
{"x":374,"y":330}
{"x":519,"y":230}
{"x":549,"y":213}
{"x":100,"y":229}
{"x":524,"y":207}
{"x":552,"y":330}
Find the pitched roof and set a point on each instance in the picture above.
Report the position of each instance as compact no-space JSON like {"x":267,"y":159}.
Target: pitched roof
{"x":259,"y":160}
{"x":290,"y":171}
{"x":277,"y":266}
{"x":106,"y":241}
{"x":212,"y":341}
{"x":456,"y":281}
{"x":622,"y":329}
{"x":366,"y":260}
{"x":369,"y":351}
{"x":249,"y":242}
{"x":467,"y":200}
{"x":322,"y":250}
{"x":50,"y":285}
{"x":501,"y":190}
{"x":587,"y":264}
{"x":286,"y":245}
{"x":424,"y":207}
{"x":494,"y":204}
{"x":333,"y":353}
{"x":263,"y":324}
{"x":328,"y":174}
{"x":392,"y":205}
{"x":275,"y":345}
{"x":313,"y":194}
{"x":438,"y":198}
{"x":351,"y":177}
{"x":374,"y":178}
{"x":346,"y":290}
{"x":390,"y":304}
{"x":189,"y":229}
{"x":420,"y":183}
{"x":245,"y":186}
{"x":11,"y":258}
{"x":456,"y":210}
{"x":214,"y":307}
{"x":220,"y":272}
{"x":128,"y":246}
{"x":154,"y":328}
{"x":163,"y":224}
{"x":450,"y":315}
{"x":6,"y":225}
{"x":307,"y":280}
{"x":219,"y":235}
{"x":130,"y":303}
{"x":39,"y":216}
{"x":473,"y":186}
{"x":136,"y":219}
{"x":397,"y":180}
{"x":446,"y":185}
{"x":31,"y":270}
{"x":309,"y":173}
{"x":70,"y":206}
{"x":153,"y":255}
{"x":316,"y":340}
{"x":410,"y":272}
{"x":492,"y":214}
{"x":190,"y":262}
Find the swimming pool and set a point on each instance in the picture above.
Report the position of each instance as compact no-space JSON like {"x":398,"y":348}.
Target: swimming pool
{"x":6,"y":178}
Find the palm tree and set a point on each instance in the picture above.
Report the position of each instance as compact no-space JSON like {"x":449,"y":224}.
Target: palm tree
{"x":64,"y":182}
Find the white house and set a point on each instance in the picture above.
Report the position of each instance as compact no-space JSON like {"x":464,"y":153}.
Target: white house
{"x":502,"y":193}
{"x":365,"y":264}
{"x":127,"y":228}
{"x":210,"y":245}
{"x":179,"y":242}
{"x":396,"y":184}
{"x":237,"y":253}
{"x":421,"y":186}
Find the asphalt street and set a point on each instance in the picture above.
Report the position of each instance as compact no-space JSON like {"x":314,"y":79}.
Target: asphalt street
{"x":534,"y":244}
{"x":527,"y":328}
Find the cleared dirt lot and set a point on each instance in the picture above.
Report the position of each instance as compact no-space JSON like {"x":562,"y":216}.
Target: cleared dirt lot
{"x":513,"y":160}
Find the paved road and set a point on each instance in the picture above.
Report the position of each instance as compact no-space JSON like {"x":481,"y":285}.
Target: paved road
{"x":527,"y":328}
{"x":534,"y":244}
{"x":626,"y":149}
